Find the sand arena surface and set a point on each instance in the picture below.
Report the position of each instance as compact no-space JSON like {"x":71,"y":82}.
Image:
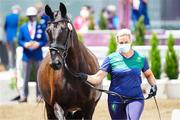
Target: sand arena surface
{"x":34,"y":111}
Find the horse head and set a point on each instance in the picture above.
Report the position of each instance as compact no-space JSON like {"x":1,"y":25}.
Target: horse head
{"x":59,"y":31}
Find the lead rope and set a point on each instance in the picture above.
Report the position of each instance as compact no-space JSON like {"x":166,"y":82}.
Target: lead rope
{"x":121,"y":97}
{"x":75,"y":74}
{"x":157,"y":107}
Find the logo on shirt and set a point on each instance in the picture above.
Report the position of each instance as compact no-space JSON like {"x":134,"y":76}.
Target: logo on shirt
{"x":117,"y":59}
{"x":113,"y":107}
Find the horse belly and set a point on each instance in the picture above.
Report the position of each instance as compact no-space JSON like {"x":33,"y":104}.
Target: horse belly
{"x":71,"y":98}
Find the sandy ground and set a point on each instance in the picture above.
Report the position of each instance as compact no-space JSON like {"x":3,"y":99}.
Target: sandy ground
{"x":34,"y":111}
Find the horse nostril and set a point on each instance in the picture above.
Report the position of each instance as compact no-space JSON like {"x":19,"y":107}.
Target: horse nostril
{"x":53,"y":52}
{"x":57,"y":62}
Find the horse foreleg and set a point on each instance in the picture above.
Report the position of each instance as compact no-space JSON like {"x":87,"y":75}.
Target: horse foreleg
{"x":59,"y":112}
{"x":88,"y":111}
{"x":50,"y":112}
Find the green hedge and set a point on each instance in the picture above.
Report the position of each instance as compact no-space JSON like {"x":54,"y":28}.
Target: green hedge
{"x":80,"y":37}
{"x":155,"y":59}
{"x":171,"y":66}
{"x":139,"y":32}
{"x":92,"y":23}
{"x":112,"y":48}
{"x":102,"y":22}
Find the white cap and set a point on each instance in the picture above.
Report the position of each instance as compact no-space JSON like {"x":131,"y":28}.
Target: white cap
{"x":124,"y":31}
{"x":31,"y":11}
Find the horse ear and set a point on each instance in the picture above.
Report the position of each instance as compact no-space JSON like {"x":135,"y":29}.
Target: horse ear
{"x":63,"y":10}
{"x":49,"y":12}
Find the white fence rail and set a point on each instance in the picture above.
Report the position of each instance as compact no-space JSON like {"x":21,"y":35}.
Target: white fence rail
{"x":100,"y":52}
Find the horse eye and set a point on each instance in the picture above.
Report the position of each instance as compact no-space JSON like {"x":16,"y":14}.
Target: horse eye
{"x":49,"y":22}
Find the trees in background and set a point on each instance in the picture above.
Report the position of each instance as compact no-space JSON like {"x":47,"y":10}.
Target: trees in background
{"x":102,"y":22}
{"x":112,"y":48}
{"x":171,"y":65}
{"x":155,"y":60}
{"x":140,"y":32}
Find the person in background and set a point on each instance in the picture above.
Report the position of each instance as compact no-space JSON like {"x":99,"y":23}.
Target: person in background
{"x":32,"y":38}
{"x":125,"y":67}
{"x":112,"y":18}
{"x":145,"y":13}
{"x":82,"y":22}
{"x":140,"y":8}
{"x":124,"y":13}
{"x":10,"y":28}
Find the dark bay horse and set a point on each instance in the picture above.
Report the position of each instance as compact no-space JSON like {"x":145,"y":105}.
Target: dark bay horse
{"x":64,"y":93}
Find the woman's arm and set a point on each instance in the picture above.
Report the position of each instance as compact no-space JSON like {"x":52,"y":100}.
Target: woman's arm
{"x":152,"y":81}
{"x":150,"y":77}
{"x":97,"y":78}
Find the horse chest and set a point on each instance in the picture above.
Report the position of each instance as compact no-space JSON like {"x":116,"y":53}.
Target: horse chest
{"x":74,"y":91}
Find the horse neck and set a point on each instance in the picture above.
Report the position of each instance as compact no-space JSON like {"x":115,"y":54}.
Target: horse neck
{"x":76,"y":54}
{"x":79,"y":58}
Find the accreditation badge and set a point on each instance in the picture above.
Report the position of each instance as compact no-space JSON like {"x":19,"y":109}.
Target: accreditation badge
{"x":39,"y":36}
{"x":39,"y":26}
{"x":42,"y":21}
{"x":39,"y":31}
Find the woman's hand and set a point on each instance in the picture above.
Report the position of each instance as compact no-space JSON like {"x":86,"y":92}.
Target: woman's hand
{"x":97,"y":78}
{"x":93,"y":79}
{"x":35,"y":45}
{"x":152,"y":81}
{"x":28,"y":45}
{"x":153,"y":90}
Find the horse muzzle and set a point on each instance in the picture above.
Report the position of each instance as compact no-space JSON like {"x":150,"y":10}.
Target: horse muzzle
{"x":55,"y":64}
{"x":74,"y":114}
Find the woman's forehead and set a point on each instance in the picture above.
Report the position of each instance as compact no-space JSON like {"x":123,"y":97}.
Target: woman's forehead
{"x":123,"y":37}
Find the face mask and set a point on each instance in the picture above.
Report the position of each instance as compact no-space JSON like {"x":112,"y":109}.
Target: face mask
{"x":124,"y":48}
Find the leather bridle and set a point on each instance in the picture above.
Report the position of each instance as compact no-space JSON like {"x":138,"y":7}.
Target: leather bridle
{"x":63,"y":47}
